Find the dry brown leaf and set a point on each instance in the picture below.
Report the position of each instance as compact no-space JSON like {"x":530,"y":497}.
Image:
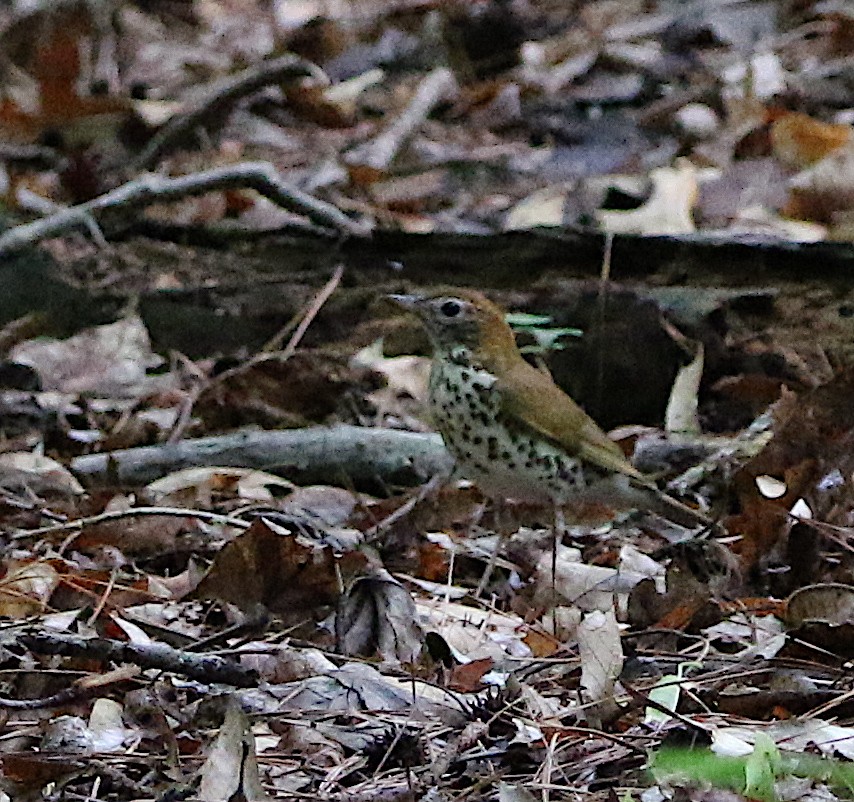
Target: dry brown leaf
{"x":467,"y":678}
{"x":231,"y":769}
{"x":26,"y":588}
{"x":669,"y":208}
{"x":812,"y":441}
{"x":268,"y":565}
{"x":37,"y":474}
{"x":799,"y":140}
{"x":824,"y":189}
{"x":197,"y":487}
{"x":601,"y":654}
{"x":111,"y":360}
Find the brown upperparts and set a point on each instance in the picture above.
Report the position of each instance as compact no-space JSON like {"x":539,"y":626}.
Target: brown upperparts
{"x":511,"y":428}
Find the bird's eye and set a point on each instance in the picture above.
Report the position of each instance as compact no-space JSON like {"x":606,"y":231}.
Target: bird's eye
{"x":450,"y":308}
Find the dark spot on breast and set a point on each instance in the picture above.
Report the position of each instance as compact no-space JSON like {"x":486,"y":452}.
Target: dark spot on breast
{"x":511,"y":465}
{"x":505,"y":455}
{"x":477,"y":440}
{"x":466,"y":375}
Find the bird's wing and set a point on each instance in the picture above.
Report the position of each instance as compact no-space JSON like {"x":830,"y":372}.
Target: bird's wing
{"x":531,"y":397}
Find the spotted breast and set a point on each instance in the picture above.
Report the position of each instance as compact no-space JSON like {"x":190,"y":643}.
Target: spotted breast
{"x":491,"y":449}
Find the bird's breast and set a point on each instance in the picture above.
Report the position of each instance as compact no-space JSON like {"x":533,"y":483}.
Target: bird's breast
{"x":503,"y":457}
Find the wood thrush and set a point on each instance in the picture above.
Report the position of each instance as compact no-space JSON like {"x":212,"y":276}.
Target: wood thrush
{"x":512,"y":430}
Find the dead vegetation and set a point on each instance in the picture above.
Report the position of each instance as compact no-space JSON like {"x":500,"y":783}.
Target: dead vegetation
{"x":235,"y":562}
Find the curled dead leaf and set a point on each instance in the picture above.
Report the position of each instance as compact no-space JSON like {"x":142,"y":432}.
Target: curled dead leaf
{"x":378,"y":616}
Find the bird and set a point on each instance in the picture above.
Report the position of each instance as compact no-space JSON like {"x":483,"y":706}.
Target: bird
{"x":512,"y":430}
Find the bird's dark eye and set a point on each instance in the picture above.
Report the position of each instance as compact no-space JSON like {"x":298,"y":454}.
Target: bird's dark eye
{"x":450,"y":308}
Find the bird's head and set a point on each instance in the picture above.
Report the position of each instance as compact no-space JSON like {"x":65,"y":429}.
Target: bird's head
{"x":461,"y":319}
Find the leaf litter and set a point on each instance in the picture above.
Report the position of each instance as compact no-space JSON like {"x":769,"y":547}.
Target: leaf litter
{"x":221,"y":632}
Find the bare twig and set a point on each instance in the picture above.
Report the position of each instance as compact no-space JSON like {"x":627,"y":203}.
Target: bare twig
{"x":115,"y":515}
{"x":404,"y":509}
{"x":267,"y":353}
{"x":216,"y":99}
{"x":150,"y":188}
{"x":601,"y":305}
{"x":202,"y":667}
{"x":79,"y":689}
{"x":377,"y":155}
{"x":311,"y":313}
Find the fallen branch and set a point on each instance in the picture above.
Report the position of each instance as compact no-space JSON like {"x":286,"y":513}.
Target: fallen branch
{"x":360,"y":455}
{"x":218,"y":96}
{"x":204,"y":668}
{"x":151,"y":188}
{"x":372,"y":159}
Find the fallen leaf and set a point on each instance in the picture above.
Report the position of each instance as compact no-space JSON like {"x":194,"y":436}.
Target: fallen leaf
{"x":111,"y":360}
{"x":377,"y":616}
{"x":197,"y":487}
{"x":38,"y":474}
{"x":467,"y":678}
{"x":601,"y":654}
{"x":668,"y":210}
{"x":26,"y":588}
{"x":799,"y":140}
{"x":231,"y":768}
{"x":270,"y":566}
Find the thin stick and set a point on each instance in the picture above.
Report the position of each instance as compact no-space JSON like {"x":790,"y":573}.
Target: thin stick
{"x":108,"y":589}
{"x":116,"y":515}
{"x":316,"y":305}
{"x":265,"y":354}
{"x":404,"y":509}
{"x":602,"y":301}
{"x":219,"y":96}
{"x":80,"y":689}
{"x":493,"y":558}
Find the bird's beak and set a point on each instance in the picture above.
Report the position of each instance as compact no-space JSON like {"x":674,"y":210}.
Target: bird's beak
{"x":410,"y":302}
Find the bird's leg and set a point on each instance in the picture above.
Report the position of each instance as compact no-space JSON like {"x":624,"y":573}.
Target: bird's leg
{"x":557,"y":537}
{"x":428,"y":489}
{"x":493,"y":558}
{"x":559,"y":532}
